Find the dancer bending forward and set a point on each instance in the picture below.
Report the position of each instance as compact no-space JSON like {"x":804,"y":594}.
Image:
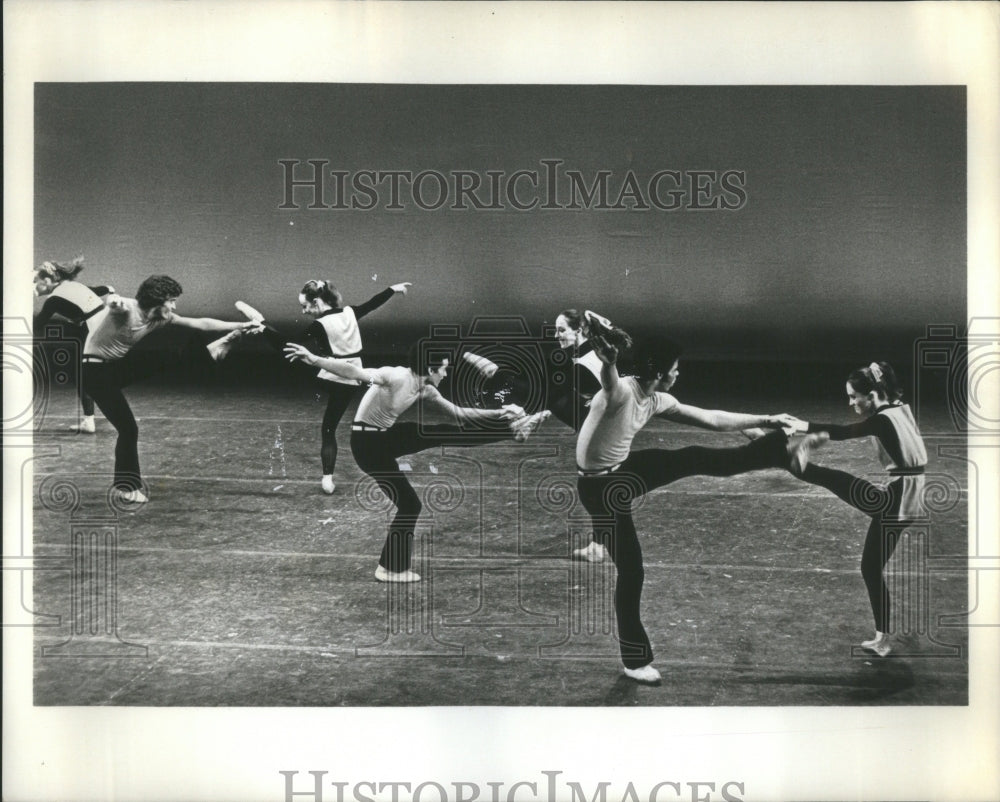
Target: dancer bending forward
{"x":110,"y":363}
{"x":378,"y":439}
{"x":67,"y":298}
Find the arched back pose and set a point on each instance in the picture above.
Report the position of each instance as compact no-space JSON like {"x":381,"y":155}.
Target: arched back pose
{"x":610,"y":476}
{"x":109,"y":364}
{"x":873,"y":392}
{"x":75,"y":302}
{"x":377,"y":439}
{"x":334,"y":333}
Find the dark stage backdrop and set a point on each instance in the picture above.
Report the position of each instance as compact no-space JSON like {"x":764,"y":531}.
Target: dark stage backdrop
{"x":767,"y":222}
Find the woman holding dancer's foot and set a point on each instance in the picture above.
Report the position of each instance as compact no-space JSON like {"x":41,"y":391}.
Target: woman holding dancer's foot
{"x":572,"y":379}
{"x":873,"y":392}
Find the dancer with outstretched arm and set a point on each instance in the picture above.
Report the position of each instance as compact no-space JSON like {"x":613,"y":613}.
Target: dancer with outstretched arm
{"x":110,"y":364}
{"x":874,"y":393}
{"x":334,"y":333}
{"x":378,"y":438}
{"x":611,"y":476}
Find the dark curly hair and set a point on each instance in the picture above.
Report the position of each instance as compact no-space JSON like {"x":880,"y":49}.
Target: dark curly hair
{"x":157,"y":290}
{"x":654,"y":356}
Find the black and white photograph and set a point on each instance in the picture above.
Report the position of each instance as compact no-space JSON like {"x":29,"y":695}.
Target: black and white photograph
{"x":392,"y":421}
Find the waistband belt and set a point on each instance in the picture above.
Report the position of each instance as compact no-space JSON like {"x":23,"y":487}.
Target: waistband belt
{"x":89,"y":358}
{"x":357,"y":426}
{"x":598,"y":471}
{"x":919,"y":471}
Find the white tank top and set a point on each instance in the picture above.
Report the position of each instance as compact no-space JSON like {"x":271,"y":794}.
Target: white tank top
{"x":344,"y":337}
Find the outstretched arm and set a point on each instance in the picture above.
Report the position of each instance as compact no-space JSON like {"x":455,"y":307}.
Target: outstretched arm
{"x":469,"y":414}
{"x":873,"y":425}
{"x":721,"y":421}
{"x":339,"y":367}
{"x":608,"y":342}
{"x":376,"y":301}
{"x":213,"y":325}
{"x":608,"y":354}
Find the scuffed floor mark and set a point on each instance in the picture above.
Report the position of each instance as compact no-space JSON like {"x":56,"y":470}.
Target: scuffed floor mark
{"x":278,"y":449}
{"x":141,"y":675}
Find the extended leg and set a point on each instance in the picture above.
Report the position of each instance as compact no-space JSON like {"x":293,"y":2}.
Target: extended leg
{"x":411,"y":438}
{"x":658,"y":467}
{"x":859,"y":493}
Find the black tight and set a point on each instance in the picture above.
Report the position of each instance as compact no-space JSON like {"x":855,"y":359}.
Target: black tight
{"x":338,"y":399}
{"x":882,"y":506}
{"x":376,"y":453}
{"x":103,"y":381}
{"x":609,"y":498}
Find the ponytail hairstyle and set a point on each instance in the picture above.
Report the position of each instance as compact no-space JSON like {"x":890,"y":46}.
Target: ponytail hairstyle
{"x":879,"y":378}
{"x":61,"y":271}
{"x":575,"y":320}
{"x":325,"y":291}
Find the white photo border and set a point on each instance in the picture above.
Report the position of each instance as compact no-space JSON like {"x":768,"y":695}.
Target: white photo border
{"x":238,"y":754}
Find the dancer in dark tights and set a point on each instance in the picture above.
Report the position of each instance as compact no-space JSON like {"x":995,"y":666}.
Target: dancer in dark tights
{"x":378,"y":439}
{"x":110,"y":364}
{"x":334,"y":333}
{"x":873,"y":392}
{"x":72,"y":301}
{"x":611,"y":476}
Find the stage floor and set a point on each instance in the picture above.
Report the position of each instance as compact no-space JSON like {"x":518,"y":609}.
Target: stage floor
{"x":242,"y":584}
